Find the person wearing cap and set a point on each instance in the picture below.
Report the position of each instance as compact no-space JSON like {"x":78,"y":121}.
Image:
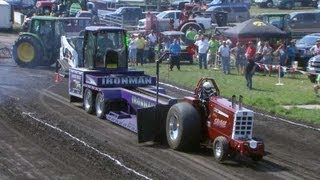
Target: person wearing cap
{"x":175,"y":50}
{"x":140,"y":49}
{"x":203,"y":47}
{"x":224,"y":53}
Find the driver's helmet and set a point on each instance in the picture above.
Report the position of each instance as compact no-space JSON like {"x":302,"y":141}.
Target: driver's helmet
{"x":208,"y":87}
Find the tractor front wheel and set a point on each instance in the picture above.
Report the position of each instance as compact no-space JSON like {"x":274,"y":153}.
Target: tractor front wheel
{"x":27,"y":51}
{"x":88,"y":101}
{"x":220,"y":148}
{"x":183,"y":127}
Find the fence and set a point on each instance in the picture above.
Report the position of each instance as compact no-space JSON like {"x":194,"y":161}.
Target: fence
{"x":118,"y":21}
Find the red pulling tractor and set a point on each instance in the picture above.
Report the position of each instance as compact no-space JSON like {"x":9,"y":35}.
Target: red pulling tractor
{"x":211,"y":121}
{"x":106,"y":86}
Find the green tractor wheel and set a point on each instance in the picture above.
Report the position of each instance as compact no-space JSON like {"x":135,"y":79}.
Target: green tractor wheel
{"x":27,"y":51}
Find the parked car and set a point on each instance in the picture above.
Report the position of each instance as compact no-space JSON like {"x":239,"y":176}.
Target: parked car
{"x":264,"y":3}
{"x":300,"y":24}
{"x":289,"y":4}
{"x":21,"y":4}
{"x":166,"y":38}
{"x":235,"y":13}
{"x":179,"y":5}
{"x":130,"y":15}
{"x":276,"y":19}
{"x":314,"y":64}
{"x":246,"y":3}
{"x":303,"y":48}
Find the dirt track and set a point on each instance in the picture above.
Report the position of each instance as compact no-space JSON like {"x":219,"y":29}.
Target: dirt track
{"x":31,"y":149}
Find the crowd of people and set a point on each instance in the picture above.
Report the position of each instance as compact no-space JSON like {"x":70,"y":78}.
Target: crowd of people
{"x":211,"y":51}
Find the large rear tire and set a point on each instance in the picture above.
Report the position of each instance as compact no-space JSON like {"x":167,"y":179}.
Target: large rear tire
{"x":183,"y":127}
{"x":27,"y":51}
{"x":89,"y":101}
{"x":220,"y":148}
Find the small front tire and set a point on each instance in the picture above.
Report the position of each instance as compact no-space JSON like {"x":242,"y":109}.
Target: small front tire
{"x":220,"y":148}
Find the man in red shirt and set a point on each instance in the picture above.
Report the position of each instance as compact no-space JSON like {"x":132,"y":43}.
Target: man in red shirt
{"x":250,"y":52}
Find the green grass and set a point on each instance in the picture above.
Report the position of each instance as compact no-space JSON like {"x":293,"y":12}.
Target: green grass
{"x":266,"y":96}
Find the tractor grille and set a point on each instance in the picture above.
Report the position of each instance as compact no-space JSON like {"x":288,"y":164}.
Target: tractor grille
{"x":243,"y":124}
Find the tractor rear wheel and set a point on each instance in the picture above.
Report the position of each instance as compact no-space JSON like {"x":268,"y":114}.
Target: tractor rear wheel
{"x":88,"y":101}
{"x":194,"y":25}
{"x":27,"y":51}
{"x":220,"y":148}
{"x":100,"y":106}
{"x":183,"y":127}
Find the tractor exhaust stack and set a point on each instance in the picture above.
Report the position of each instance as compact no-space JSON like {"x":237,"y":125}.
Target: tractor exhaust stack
{"x":240,"y":101}
{"x":233,"y":100}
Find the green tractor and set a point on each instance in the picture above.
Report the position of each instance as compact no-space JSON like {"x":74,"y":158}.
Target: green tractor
{"x":39,"y":46}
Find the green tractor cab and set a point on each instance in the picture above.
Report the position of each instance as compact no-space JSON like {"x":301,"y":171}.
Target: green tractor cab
{"x":40,"y":45}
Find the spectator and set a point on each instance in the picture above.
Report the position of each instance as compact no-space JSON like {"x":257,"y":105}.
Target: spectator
{"x":239,"y":53}
{"x":203,"y":47}
{"x":267,"y":57}
{"x":250,"y":52}
{"x":140,"y":48}
{"x":316,"y":86}
{"x":315,"y":50}
{"x":198,"y":36}
{"x":249,"y":72}
{"x":213,"y":49}
{"x":152,"y":41}
{"x":282,"y":53}
{"x":146,"y":51}
{"x":190,"y":35}
{"x":175,"y":49}
{"x":224,"y":53}
{"x":259,"y":50}
{"x":291,"y":53}
{"x":132,"y":51}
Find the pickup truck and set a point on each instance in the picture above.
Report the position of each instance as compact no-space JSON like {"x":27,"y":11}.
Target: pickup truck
{"x":163,"y":19}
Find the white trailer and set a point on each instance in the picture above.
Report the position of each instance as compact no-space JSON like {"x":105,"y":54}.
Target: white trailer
{"x":6,"y":17}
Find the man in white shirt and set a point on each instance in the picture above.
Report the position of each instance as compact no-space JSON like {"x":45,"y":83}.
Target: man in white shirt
{"x":224,"y":53}
{"x":315,"y":49}
{"x":152,"y":41}
{"x":203,"y":47}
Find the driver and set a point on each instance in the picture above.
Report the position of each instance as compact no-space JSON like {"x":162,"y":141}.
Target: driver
{"x":104,"y":43}
{"x":207,"y":91}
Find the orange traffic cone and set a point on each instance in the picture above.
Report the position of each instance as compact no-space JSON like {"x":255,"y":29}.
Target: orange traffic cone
{"x":57,"y":78}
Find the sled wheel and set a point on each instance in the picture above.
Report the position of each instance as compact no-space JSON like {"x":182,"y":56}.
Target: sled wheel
{"x":100,"y":106}
{"x":88,"y":101}
{"x":27,"y":51}
{"x":183,"y":127}
{"x":220,"y":148}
